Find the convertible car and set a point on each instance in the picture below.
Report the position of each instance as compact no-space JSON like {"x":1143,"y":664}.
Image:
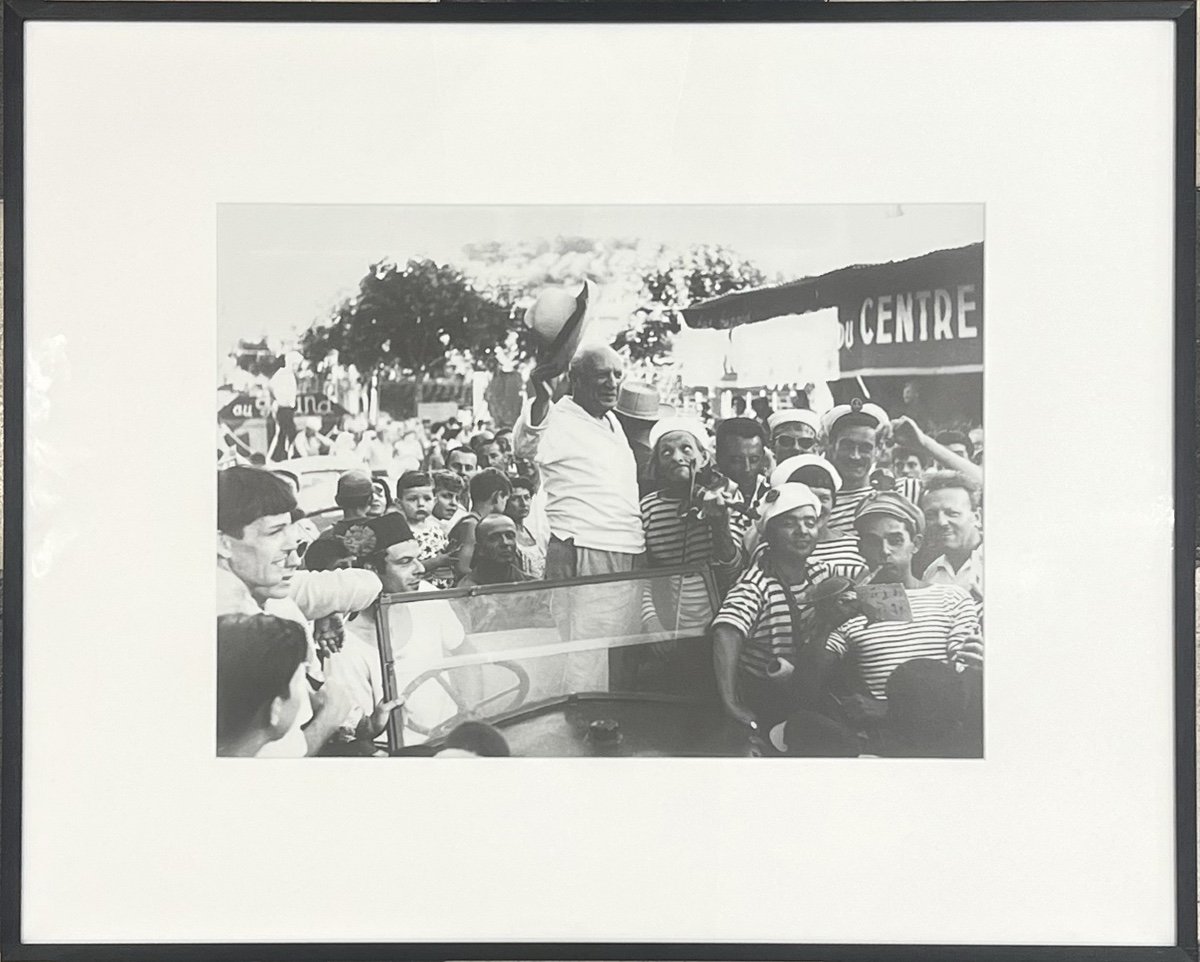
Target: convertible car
{"x":612,"y":665}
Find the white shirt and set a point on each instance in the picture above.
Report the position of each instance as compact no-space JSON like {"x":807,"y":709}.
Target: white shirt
{"x":283,"y":388}
{"x":969,"y":576}
{"x":589,"y":476}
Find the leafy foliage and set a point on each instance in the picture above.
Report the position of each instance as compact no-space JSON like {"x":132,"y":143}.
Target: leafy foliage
{"x":703,"y":272}
{"x":409,"y":320}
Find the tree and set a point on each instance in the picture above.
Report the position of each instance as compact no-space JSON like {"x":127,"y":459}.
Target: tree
{"x":703,"y":272}
{"x":407,"y":320}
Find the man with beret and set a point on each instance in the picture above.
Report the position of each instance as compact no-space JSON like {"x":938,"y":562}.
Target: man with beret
{"x":943,"y":626}
{"x":353,"y":495}
{"x":793,"y":431}
{"x":422,"y":633}
{"x":763,"y":620}
{"x":258,"y":572}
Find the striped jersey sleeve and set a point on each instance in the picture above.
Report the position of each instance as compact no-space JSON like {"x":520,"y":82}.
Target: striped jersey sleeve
{"x":842,"y":515}
{"x":943,"y":617}
{"x":839,"y":556}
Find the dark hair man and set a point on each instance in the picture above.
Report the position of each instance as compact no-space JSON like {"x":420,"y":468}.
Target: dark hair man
{"x":739,"y":406}
{"x":957,"y":443}
{"x":741,"y":455}
{"x":490,"y":489}
{"x":464,"y":462}
{"x":261,"y":686}
{"x":909,"y":463}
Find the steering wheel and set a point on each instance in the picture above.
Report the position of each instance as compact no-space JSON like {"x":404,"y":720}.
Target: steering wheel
{"x":465,"y":712}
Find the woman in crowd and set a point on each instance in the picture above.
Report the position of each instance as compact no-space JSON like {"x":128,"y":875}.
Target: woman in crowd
{"x":683,"y":524}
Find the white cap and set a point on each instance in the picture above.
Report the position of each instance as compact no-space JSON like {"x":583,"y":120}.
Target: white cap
{"x":790,"y":466}
{"x":857,"y":406}
{"x":795,"y":416}
{"x":668,"y":425}
{"x":788,"y":497}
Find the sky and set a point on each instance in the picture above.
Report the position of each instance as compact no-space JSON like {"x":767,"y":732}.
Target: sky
{"x":282,"y":266}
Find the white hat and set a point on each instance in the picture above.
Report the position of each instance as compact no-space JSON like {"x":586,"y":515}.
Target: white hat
{"x":667,"y":425}
{"x":788,"y":497}
{"x":795,"y":416}
{"x":858,"y":407}
{"x":790,"y":466}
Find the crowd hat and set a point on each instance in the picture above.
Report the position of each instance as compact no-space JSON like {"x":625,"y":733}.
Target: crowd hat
{"x":788,"y":497}
{"x":367,"y":536}
{"x":891,"y":505}
{"x":791,"y":465}
{"x":669,"y":424}
{"x":857,"y":412}
{"x":353,"y":489}
{"x":641,"y":402}
{"x":794,"y":416}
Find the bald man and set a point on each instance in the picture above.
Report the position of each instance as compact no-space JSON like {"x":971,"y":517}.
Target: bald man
{"x":495,"y":559}
{"x":590,"y":480}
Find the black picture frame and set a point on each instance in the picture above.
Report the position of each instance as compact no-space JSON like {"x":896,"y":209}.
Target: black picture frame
{"x":17,"y":13}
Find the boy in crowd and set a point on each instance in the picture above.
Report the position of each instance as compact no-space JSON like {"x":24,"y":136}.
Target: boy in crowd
{"x":490,"y":489}
{"x":261,"y":685}
{"x":448,"y":489}
{"x":415,"y":495}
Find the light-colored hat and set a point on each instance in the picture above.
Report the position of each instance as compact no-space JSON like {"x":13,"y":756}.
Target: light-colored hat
{"x":790,"y":466}
{"x":641,"y":401}
{"x":669,"y":424}
{"x":866,"y":413}
{"x":795,"y":416}
{"x":788,"y":497}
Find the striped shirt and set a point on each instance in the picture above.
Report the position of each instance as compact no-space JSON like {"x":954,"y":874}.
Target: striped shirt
{"x":672,"y":539}
{"x":757,"y":607}
{"x":943,"y":617}
{"x":839,"y":556}
{"x":842,"y":515}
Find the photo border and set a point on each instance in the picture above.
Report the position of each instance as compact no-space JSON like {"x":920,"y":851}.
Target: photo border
{"x":1182,"y":14}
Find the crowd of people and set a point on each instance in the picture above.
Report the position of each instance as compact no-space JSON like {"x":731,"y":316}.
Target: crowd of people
{"x":833,"y":602}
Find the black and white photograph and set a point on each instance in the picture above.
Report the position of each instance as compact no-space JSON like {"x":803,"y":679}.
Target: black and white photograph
{"x":600,"y":481}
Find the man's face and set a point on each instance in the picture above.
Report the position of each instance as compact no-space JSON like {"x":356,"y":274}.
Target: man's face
{"x":886,"y":543}
{"x":464,"y":463}
{"x":677,"y":456}
{"x":791,"y":439}
{"x":950,"y":520}
{"x":909,"y":467}
{"x":957,"y":448}
{"x":853,"y":454}
{"x":793,"y":533}
{"x":417,"y":503}
{"x":445,"y":503}
{"x":504,"y":439}
{"x":493,"y":455}
{"x":518,"y":504}
{"x":496,"y":543}
{"x":741,"y":460}
{"x":597,"y":383}
{"x":401,"y":568}
{"x":265,"y":556}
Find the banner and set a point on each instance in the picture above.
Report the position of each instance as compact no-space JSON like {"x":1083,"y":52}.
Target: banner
{"x":920,"y":317}
{"x":246,"y":406}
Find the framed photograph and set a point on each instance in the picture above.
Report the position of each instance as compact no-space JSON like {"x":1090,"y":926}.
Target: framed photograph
{"x":600,"y":393}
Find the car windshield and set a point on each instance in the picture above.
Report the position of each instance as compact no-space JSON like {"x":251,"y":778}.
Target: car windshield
{"x":491,"y":651}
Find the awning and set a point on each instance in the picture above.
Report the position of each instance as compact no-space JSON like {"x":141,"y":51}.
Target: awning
{"x":923,"y":315}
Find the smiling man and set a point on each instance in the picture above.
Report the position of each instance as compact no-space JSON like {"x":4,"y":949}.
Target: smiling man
{"x":851,"y":431}
{"x":589,"y":475}
{"x":952,"y":518}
